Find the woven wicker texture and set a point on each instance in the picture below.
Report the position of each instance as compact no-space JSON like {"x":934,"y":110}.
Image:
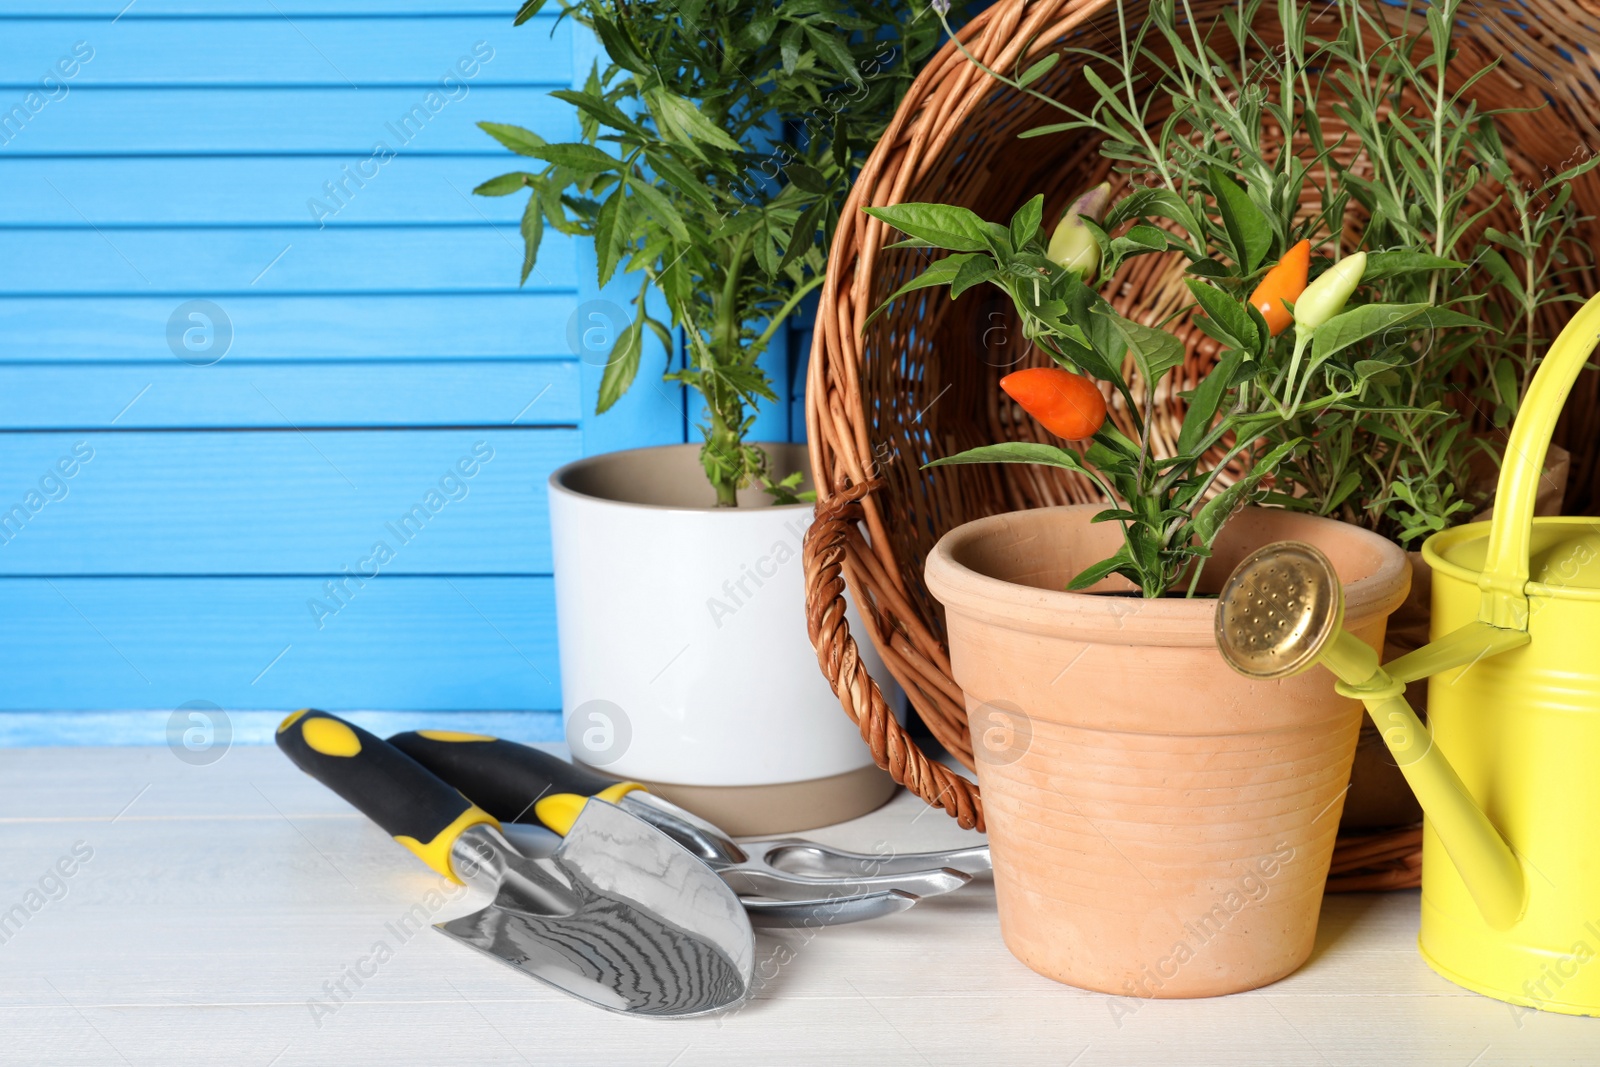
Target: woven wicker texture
{"x":920,"y":381}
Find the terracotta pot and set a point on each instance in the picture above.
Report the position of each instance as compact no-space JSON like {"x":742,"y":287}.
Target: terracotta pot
{"x":1161,"y":826}
{"x":1379,"y":797}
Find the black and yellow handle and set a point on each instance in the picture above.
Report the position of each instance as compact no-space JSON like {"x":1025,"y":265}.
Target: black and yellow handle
{"x":410,"y":802}
{"x":514,"y":783}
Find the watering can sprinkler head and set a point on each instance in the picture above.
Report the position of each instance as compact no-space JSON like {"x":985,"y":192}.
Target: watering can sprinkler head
{"x":1280,"y":613}
{"x":1278,"y":610}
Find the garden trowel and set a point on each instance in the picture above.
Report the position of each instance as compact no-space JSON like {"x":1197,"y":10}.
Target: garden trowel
{"x":782,"y":882}
{"x":620,"y":915}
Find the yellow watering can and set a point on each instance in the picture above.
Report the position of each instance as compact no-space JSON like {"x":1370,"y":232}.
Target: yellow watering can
{"x":1509,"y":777}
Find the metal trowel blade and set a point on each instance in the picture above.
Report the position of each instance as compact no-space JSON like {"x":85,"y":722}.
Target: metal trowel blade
{"x":621,"y":916}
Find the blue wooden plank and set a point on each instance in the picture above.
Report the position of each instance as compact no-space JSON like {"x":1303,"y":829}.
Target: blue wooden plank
{"x":170,"y":394}
{"x":315,"y":502}
{"x":474,"y":51}
{"x":366,"y":124}
{"x":377,"y":326}
{"x":800,"y":342}
{"x":34,"y":729}
{"x":191,"y":565}
{"x":408,"y":643}
{"x":227,"y":261}
{"x":251,"y":190}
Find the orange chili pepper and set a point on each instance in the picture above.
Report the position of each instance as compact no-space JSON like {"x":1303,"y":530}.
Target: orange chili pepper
{"x":1286,"y":281}
{"x":1068,"y":405}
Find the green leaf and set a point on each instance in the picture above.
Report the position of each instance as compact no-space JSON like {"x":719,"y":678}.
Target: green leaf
{"x":661,"y":332}
{"x":1444,"y":318}
{"x":1358,"y":324}
{"x":1160,"y":203}
{"x":1209,"y":268}
{"x":681,"y":179}
{"x":1205,"y":400}
{"x":1347,"y":485}
{"x":1505,"y":381}
{"x":1014,"y":452}
{"x":532,"y":234}
{"x":1216,"y":511}
{"x":804,"y":235}
{"x":680,"y":120}
{"x":622,"y":365}
{"x":1099,"y":572}
{"x":660,"y":208}
{"x":586,"y":159}
{"x":1039,"y":69}
{"x":975,"y":271}
{"x":1025,"y":223}
{"x":1147,"y":236}
{"x":1154,"y":351}
{"x":762,"y":247}
{"x":619,"y":46}
{"x":522,"y":142}
{"x":529,"y":9}
{"x":941,"y":272}
{"x":1227,"y":313}
{"x":1249,"y":229}
{"x":1377,"y":369}
{"x":677,"y":281}
{"x":1109,"y":447}
{"x":939,"y":225}
{"x":596,"y":106}
{"x":758,"y":31}
{"x":1501,"y":272}
{"x":1393,"y":264}
{"x":505,"y":184}
{"x":833,"y":49}
{"x":789,"y":46}
{"x":607,"y":236}
{"x":807,"y":179}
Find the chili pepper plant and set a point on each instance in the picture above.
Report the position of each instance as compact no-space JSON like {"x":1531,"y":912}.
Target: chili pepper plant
{"x":1165,"y":504}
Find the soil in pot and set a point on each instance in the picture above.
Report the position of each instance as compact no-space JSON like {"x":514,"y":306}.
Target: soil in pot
{"x":1160,"y":826}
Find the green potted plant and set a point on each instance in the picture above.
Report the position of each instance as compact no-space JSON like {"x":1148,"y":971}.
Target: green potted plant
{"x":1088,"y":624}
{"x":716,"y":142}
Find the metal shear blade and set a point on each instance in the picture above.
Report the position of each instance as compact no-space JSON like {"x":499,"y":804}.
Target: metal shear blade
{"x":813,"y":868}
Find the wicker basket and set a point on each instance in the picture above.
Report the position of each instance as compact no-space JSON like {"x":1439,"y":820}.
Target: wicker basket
{"x":920,"y":381}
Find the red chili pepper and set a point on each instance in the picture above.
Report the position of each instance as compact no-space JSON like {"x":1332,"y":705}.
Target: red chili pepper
{"x":1068,"y":405}
{"x":1286,"y":281}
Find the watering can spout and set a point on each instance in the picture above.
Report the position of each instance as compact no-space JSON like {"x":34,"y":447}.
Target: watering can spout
{"x":1491,"y":871}
{"x":1281,"y":612}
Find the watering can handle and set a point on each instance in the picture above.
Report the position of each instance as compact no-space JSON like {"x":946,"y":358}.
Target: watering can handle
{"x":1505,"y":575}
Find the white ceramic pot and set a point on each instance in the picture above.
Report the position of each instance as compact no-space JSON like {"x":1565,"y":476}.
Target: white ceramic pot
{"x":685,"y":662}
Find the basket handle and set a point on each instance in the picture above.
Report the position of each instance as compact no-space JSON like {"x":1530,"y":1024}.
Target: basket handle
{"x":824,"y":551}
{"x":1504,"y":579}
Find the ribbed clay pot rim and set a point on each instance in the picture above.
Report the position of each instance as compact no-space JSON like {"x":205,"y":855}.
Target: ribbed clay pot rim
{"x":1170,"y":621}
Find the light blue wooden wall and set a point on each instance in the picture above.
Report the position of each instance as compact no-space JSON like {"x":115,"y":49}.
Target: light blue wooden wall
{"x":373,"y":347}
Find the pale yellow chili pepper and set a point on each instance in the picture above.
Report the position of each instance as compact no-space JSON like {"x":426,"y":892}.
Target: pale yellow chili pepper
{"x":1072,"y":245}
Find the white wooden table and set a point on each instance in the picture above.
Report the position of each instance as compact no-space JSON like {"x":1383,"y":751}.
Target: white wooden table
{"x":221,"y":904}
